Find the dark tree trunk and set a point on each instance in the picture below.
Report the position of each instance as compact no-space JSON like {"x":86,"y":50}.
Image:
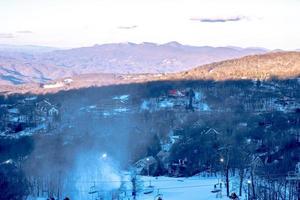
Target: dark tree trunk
{"x":227,"y":180}
{"x":252,"y":184}
{"x":241,"y":181}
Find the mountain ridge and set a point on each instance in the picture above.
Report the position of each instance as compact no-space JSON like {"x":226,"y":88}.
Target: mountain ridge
{"x":127,"y":58}
{"x":281,"y":65}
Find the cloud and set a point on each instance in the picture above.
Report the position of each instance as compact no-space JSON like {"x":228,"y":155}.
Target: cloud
{"x":24,"y":32}
{"x":219,"y":19}
{"x":128,"y":27}
{"x":6,"y":35}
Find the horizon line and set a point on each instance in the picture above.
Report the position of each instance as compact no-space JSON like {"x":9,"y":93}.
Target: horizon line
{"x":145,"y":42}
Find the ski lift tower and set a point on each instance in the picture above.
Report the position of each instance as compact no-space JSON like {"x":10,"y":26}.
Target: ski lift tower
{"x":293,"y":178}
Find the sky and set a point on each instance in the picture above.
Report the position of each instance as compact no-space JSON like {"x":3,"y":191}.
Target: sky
{"x":273,"y":24}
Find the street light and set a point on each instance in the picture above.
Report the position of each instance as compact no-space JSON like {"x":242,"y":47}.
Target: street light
{"x":147,"y":159}
{"x":104,"y":156}
{"x":222,"y":161}
{"x":249,"y":183}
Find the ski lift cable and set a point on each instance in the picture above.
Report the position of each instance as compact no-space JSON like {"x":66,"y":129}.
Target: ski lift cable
{"x":124,"y":181}
{"x":158,"y":188}
{"x":174,"y":180}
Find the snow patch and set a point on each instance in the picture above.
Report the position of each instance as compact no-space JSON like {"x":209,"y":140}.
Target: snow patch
{"x":166,"y":104}
{"x":145,"y":105}
{"x":92,"y":107}
{"x":198,"y":96}
{"x":203,"y":107}
{"x":122,"y":98}
{"x":31,"y":98}
{"x":120,"y":110}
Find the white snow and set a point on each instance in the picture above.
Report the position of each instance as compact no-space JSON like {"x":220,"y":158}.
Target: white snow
{"x":198,"y":96}
{"x":174,"y":138}
{"x":14,"y":111}
{"x":119,"y":110}
{"x":106,"y":114}
{"x":145,"y":105}
{"x":9,"y":161}
{"x":31,"y":98}
{"x":149,"y":188}
{"x":68,"y":80}
{"x":14,"y":119}
{"x":166,"y":104}
{"x":92,"y":107}
{"x":166,"y":147}
{"x":204,"y":107}
{"x":193,"y":188}
{"x":27,"y":132}
{"x":36,"y":198}
{"x":122,"y":98}
{"x":53,"y":85}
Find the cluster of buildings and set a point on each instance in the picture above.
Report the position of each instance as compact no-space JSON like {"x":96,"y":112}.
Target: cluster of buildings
{"x":186,"y":99}
{"x":27,"y":116}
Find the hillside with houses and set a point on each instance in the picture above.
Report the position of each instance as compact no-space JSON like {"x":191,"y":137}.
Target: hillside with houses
{"x":232,"y":126}
{"x":247,"y":129}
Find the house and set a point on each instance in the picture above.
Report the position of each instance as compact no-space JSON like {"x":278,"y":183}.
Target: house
{"x":31,"y":98}
{"x":175,"y":93}
{"x":210,"y":131}
{"x":294,"y":175}
{"x":53,"y":111}
{"x":175,"y":138}
{"x":17,"y":118}
{"x":258,"y":161}
{"x":68,"y":81}
{"x":45,"y":108}
{"x":53,"y":85}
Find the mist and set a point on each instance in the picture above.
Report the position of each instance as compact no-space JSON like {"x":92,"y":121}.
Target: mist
{"x":90,"y":149}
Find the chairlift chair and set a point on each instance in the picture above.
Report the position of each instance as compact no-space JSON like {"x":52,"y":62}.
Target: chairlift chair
{"x":93,"y":190}
{"x":149,"y":189}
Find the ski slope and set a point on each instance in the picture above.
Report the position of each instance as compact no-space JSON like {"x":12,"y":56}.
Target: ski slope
{"x":193,"y":188}
{"x":169,"y":188}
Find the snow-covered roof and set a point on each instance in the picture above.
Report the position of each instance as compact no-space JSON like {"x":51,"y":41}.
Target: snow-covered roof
{"x":14,"y":110}
{"x":32,"y":98}
{"x":211,"y":131}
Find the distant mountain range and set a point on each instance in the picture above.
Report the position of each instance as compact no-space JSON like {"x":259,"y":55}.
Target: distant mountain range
{"x":27,"y":64}
{"x":283,"y":65}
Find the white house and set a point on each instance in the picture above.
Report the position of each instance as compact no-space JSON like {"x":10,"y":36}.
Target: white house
{"x":53,"y":85}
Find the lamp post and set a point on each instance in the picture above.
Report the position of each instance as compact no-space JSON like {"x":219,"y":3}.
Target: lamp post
{"x":226,"y":152}
{"x":221,"y":161}
{"x":147,"y":159}
{"x":249,"y":183}
{"x":148,"y":170}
